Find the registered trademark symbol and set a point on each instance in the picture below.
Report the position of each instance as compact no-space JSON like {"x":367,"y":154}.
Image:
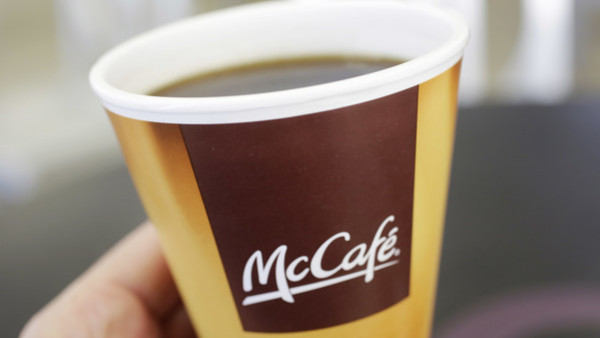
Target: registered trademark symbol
{"x":397,"y":252}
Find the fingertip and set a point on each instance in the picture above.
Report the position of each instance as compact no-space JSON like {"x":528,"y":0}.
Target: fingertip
{"x":179,"y":325}
{"x":30,"y":328}
{"x":137,"y":264}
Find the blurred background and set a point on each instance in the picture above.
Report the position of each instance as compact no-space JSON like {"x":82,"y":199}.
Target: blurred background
{"x":522,"y":246}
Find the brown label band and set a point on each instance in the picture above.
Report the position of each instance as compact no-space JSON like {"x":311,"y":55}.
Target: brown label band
{"x":312,"y":215}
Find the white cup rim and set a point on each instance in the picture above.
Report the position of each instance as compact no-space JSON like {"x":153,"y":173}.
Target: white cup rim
{"x":285,"y":103}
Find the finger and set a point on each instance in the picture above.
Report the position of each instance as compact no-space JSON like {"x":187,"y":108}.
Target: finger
{"x":93,"y":311}
{"x":123,"y":294}
{"x":178,"y":324}
{"x":138,"y":264}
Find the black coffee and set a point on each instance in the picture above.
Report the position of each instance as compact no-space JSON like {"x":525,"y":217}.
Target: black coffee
{"x":275,"y":75}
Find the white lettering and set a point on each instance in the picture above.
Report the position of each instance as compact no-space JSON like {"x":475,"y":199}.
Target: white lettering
{"x":263,"y":272}
{"x":388,"y":248}
{"x":290,"y":271}
{"x":315,"y":265}
{"x":370,"y":258}
{"x":360,"y":259}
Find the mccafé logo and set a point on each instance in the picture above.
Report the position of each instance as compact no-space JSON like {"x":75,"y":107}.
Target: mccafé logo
{"x":342,"y":181}
{"x":370,"y":257}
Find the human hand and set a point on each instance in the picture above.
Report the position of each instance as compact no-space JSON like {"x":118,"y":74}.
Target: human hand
{"x":129,"y":292}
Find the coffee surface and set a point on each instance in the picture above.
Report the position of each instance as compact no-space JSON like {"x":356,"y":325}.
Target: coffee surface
{"x":275,"y":75}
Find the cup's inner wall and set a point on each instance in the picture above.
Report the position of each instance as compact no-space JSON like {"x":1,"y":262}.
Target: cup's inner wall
{"x":258,"y":33}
